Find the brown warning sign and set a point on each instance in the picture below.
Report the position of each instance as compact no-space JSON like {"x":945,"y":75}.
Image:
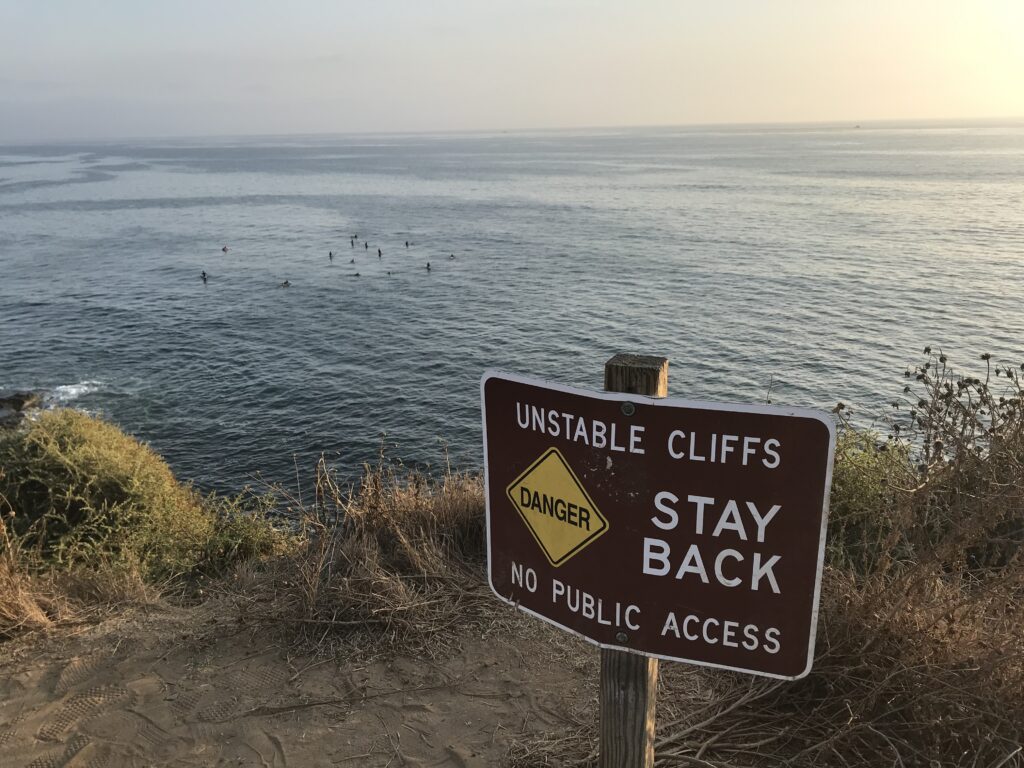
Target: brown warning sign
{"x":685,"y":530}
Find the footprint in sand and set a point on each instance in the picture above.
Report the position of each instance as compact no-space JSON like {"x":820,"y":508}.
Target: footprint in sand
{"x":76,"y":672}
{"x":79,"y":706}
{"x":75,"y":753}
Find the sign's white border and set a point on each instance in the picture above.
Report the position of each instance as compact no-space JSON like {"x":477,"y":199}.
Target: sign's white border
{"x":669,"y":402}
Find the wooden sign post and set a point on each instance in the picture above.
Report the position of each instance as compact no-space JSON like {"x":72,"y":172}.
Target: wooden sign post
{"x":629,"y":682}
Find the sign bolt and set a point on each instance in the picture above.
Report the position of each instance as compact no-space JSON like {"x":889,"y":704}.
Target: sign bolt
{"x":628,"y":409}
{"x":621,"y":637}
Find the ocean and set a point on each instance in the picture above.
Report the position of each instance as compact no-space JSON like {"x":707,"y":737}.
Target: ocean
{"x":808,"y":264}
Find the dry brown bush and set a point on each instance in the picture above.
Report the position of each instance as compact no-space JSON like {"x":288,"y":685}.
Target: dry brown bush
{"x":25,"y":604}
{"x":399,"y":559}
{"x":908,"y":671}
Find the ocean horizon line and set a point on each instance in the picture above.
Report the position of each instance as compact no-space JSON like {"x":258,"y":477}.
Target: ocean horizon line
{"x":565,"y":131}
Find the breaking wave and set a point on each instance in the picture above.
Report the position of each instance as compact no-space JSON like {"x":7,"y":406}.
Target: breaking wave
{"x":68,"y":393}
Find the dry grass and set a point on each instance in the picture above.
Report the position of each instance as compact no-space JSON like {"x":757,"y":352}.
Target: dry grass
{"x":912,"y":671}
{"x":25,"y":603}
{"x":397,"y":561}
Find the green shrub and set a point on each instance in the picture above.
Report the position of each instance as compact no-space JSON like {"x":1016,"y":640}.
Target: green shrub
{"x":242,"y":530}
{"x":945,"y":485}
{"x":866,"y":477}
{"x":86,"y":494}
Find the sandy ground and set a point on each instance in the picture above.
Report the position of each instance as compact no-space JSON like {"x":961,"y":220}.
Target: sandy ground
{"x":172,"y":686}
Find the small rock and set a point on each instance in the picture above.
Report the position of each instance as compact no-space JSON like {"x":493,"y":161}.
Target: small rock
{"x":14,"y":406}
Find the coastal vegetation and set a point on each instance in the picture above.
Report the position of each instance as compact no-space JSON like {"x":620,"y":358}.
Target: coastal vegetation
{"x":396,"y":562}
{"x":89,"y":511}
{"x":919,"y":658}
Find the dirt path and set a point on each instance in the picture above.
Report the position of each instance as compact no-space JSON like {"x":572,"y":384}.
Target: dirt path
{"x":187,"y":687}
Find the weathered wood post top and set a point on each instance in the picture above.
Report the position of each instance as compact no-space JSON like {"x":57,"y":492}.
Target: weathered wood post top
{"x":637,"y":375}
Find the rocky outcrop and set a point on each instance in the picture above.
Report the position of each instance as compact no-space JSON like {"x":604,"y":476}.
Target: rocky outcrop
{"x":14,"y":406}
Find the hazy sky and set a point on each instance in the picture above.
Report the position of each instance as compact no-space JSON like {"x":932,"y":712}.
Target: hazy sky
{"x":114,"y":68}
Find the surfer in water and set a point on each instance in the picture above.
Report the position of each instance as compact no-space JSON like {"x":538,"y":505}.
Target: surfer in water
{"x":330,"y":255}
{"x":406,"y":243}
{"x":286,"y":284}
{"x":204,"y":277}
{"x":428,"y":266}
{"x":379,"y":254}
{"x":225,"y":249}
{"x":366,"y":246}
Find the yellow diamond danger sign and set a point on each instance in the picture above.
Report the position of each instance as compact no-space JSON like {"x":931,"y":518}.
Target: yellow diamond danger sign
{"x":555,"y":507}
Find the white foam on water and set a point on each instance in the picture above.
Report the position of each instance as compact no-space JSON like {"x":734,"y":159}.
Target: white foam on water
{"x":67,"y":393}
